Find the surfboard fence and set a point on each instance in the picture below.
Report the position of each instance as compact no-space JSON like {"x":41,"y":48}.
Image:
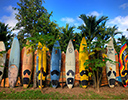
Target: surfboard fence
{"x":62,"y":80}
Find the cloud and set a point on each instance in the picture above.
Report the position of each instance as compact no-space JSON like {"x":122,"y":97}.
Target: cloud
{"x":68,"y":20}
{"x":121,"y":22}
{"x":94,"y":13}
{"x":71,"y":21}
{"x":10,"y":20}
{"x":125,"y":5}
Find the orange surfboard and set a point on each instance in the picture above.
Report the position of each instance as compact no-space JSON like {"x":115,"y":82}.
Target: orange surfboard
{"x":27,"y":66}
{"x":104,"y":79}
{"x":21,"y":64}
{"x":48,"y":79}
{"x":62,"y":79}
{"x":77,"y":76}
{"x":34,"y":71}
{"x":117,"y":64}
{"x":6,"y":68}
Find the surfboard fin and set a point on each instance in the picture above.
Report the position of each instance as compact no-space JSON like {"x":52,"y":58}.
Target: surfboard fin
{"x":119,"y":79}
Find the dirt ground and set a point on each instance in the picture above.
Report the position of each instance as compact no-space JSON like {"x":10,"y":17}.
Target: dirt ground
{"x":117,"y":90}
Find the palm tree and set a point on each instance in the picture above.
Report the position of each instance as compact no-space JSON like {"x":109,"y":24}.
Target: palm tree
{"x":122,"y":40}
{"x":5,"y":35}
{"x":66,"y":35}
{"x":92,"y":26}
{"x":94,"y":29}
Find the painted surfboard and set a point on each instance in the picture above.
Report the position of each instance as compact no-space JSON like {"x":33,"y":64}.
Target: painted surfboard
{"x":83,"y":56}
{"x":14,"y":62}
{"x":104,"y":79}
{"x":27,"y":66}
{"x":6,"y":70}
{"x":62,"y":79}
{"x":123,"y":60}
{"x":2,"y":59}
{"x":34,"y":71}
{"x":117,"y":64}
{"x":110,"y":67}
{"x":42,"y":62}
{"x":48,"y":77}
{"x":70,"y":65}
{"x":77,"y":75}
{"x":21,"y":59}
{"x":55,"y":64}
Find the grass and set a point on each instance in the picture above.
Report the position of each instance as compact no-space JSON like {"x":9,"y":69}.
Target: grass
{"x":37,"y":94}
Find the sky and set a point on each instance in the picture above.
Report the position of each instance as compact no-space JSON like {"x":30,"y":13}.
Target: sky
{"x":68,"y":11}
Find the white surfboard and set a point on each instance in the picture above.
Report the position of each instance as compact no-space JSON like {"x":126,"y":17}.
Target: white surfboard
{"x":110,"y":67}
{"x":70,"y":65}
{"x":2,"y":59}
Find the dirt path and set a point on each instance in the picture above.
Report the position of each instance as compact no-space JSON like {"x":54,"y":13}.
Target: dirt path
{"x":117,"y":90}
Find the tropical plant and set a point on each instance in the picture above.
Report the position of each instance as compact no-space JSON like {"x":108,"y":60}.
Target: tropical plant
{"x":66,"y":35}
{"x":5,"y":35}
{"x":34,"y":22}
{"x":96,"y":35}
{"x":122,"y":40}
{"x":76,"y":40}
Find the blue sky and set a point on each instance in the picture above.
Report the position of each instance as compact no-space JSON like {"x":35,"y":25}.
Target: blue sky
{"x":68,"y":11}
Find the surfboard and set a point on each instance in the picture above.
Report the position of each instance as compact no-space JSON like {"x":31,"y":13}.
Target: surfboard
{"x":48,"y":77}
{"x":70,"y":65}
{"x":123,"y":60}
{"x":110,"y":67}
{"x":34,"y":70}
{"x":55,"y":64}
{"x":27,"y":66}
{"x":14,"y":62}
{"x":6,"y":69}
{"x":2,"y":59}
{"x":77,"y":75}
{"x":21,"y":59}
{"x":104,"y":79}
{"x":42,"y":62}
{"x":83,"y":56}
{"x":117,"y":64}
{"x":62,"y":79}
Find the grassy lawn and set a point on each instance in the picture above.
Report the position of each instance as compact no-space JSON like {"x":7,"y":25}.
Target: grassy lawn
{"x":37,"y":94}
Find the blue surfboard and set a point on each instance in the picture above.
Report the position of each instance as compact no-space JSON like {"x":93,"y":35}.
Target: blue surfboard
{"x":55,"y":64}
{"x":14,"y":61}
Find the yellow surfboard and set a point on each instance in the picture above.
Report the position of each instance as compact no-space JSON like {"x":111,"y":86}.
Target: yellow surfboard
{"x":83,"y":56}
{"x":42,"y":62}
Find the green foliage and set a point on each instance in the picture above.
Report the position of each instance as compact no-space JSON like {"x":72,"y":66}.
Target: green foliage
{"x":34,"y":23}
{"x":66,"y":35}
{"x":97,"y":36}
{"x":5,"y":35}
{"x":92,"y":27}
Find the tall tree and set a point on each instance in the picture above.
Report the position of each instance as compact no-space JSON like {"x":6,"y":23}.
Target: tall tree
{"x":35,"y":25}
{"x":5,"y":35}
{"x":66,"y":35}
{"x":34,"y":22}
{"x":94,"y":30}
{"x":91,"y":26}
{"x":122,"y":39}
